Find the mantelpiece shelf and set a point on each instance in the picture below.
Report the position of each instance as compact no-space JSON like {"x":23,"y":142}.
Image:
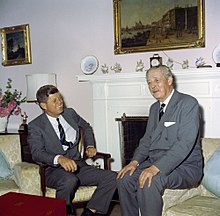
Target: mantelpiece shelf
{"x":201,"y":73}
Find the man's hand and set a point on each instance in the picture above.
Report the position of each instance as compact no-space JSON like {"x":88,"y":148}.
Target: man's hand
{"x":67,"y":164}
{"x":148,"y":173}
{"x":130,"y":167}
{"x":91,"y":152}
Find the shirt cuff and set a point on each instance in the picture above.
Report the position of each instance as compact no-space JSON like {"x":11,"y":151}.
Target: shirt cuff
{"x":55,"y":160}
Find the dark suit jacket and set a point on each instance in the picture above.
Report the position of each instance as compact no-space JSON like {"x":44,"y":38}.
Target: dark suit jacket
{"x":174,"y":142}
{"x":45,"y":144}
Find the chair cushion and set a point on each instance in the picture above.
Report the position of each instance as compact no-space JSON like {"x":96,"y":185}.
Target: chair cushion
{"x":211,"y":179}
{"x":83,"y":193}
{"x":5,"y":170}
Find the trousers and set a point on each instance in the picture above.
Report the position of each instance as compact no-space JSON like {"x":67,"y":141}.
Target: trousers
{"x":66,"y":184}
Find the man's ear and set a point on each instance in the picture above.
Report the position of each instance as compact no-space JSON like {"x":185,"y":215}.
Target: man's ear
{"x":43,"y":106}
{"x":170,"y":80}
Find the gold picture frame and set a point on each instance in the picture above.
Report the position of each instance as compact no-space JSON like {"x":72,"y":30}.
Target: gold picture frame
{"x":16,"y":49}
{"x":154,"y":25}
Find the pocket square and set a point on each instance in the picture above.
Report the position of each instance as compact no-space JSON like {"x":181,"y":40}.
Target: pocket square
{"x":168,"y":124}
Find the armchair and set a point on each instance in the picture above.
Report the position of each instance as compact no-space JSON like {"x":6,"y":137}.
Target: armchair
{"x":83,"y":193}
{"x":25,"y":178}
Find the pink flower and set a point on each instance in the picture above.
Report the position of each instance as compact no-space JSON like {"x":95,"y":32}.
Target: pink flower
{"x":17,"y":111}
{"x":12,"y":105}
{"x":10,"y":101}
{"x":4,"y":112}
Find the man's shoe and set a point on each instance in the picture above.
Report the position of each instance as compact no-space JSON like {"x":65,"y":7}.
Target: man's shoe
{"x":87,"y":212}
{"x":70,"y":210}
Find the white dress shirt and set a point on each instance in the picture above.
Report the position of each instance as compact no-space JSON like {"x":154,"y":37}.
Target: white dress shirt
{"x":70,"y":132}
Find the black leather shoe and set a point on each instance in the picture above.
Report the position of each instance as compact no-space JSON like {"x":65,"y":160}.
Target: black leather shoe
{"x":70,"y":210}
{"x":87,"y":212}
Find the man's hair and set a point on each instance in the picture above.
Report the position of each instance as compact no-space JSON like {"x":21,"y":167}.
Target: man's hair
{"x":44,"y":92}
{"x":164,"y":69}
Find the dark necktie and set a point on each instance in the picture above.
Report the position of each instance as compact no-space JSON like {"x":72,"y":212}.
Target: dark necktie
{"x":63,"y":136}
{"x":161,"y":112}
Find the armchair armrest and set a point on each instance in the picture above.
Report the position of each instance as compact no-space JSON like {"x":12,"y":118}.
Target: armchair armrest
{"x":106,"y":157}
{"x":42,"y":169}
{"x":26,"y":176}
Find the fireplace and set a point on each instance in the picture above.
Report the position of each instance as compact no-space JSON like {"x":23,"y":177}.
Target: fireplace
{"x":115,"y":94}
{"x":131,"y":130}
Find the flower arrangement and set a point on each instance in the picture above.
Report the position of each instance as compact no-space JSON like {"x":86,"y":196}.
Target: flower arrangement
{"x":10,"y":101}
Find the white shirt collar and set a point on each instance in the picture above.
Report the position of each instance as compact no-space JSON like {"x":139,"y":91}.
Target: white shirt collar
{"x":167,"y":100}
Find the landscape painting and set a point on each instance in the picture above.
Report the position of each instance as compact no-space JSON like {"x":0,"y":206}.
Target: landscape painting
{"x":148,"y":25}
{"x":16,"y":45}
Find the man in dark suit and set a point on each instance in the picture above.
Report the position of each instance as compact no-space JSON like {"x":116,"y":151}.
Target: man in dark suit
{"x":67,"y":170}
{"x":168,"y":155}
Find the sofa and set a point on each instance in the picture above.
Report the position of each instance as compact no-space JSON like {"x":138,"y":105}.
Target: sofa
{"x":21,"y":177}
{"x":196,"y":201}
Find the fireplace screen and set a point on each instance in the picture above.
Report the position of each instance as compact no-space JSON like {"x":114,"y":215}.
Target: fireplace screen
{"x":131,"y":130}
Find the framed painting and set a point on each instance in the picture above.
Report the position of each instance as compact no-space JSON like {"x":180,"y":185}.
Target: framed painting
{"x":16,"y":48}
{"x":153,"y":25}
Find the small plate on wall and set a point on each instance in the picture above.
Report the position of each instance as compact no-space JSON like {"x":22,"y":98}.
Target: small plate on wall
{"x":89,"y":65}
{"x":216,"y":55}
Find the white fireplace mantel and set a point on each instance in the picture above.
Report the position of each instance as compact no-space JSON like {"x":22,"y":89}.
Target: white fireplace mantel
{"x":181,"y":73}
{"x":118,"y":93}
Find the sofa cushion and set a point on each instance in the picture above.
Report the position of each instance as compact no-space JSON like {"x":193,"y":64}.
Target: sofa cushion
{"x":8,"y":185}
{"x":211,"y":179}
{"x":196,"y":206}
{"x":5,"y":170}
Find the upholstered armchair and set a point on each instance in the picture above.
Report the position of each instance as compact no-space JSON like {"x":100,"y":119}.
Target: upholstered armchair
{"x":84,"y":193}
{"x":24,"y":177}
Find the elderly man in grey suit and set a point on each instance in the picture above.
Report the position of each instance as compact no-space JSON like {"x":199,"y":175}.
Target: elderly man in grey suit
{"x":169,"y":154}
{"x":53,"y":138}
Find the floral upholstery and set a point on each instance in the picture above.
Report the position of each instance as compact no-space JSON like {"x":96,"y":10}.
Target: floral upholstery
{"x":195,"y":201}
{"x":26,"y":177}
{"x":8,"y":185}
{"x":196,"y":206}
{"x":82,"y":194}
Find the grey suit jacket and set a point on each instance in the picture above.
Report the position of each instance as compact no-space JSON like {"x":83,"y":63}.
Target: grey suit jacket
{"x":45,"y":144}
{"x":174,"y":141}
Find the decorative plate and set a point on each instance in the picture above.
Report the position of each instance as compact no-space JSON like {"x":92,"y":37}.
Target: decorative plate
{"x":216,"y":54}
{"x":89,"y":65}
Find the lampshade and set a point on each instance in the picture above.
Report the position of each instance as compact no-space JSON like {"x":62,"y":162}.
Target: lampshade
{"x":35,"y":81}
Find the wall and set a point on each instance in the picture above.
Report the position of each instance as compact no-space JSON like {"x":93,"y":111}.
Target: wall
{"x":63,"y":32}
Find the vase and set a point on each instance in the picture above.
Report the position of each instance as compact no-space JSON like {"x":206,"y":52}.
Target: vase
{"x":3,"y":123}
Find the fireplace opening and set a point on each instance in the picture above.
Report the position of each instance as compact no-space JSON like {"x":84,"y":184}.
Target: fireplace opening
{"x":131,"y":130}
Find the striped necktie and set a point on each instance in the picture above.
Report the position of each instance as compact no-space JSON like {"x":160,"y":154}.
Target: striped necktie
{"x":62,"y":135}
{"x":161,"y":112}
